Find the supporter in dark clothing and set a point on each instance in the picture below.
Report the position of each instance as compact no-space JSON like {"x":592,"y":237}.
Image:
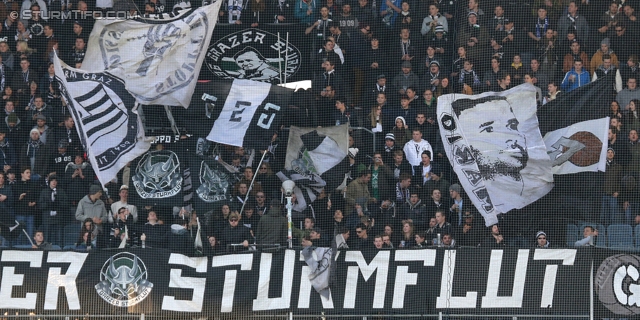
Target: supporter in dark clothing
{"x":154,"y":232}
{"x":54,"y":206}
{"x":272,"y":228}
{"x":235,"y":234}
{"x":26,"y":194}
{"x":495,"y":239}
{"x":469,"y":233}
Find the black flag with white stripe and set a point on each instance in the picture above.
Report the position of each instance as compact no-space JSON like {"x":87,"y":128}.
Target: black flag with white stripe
{"x":251,"y":112}
{"x":106,"y":118}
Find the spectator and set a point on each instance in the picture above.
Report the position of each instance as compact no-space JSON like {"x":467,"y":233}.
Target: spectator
{"x":590,"y":235}
{"x":573,"y":21}
{"x":433,"y":20}
{"x":363,"y":242}
{"x":448,"y":241}
{"x":153,"y":232}
{"x":575,"y":78}
{"x":610,"y":212}
{"x":607,"y":68}
{"x":79,"y":176}
{"x":442,"y":226}
{"x":235,"y":234}
{"x":400,"y":131}
{"x":54,"y":205}
{"x":576,"y":53}
{"x":415,"y":210}
{"x":629,"y":93}
{"x":39,"y":243}
{"x":468,"y":234}
{"x":598,"y":58}
{"x":405,"y":79}
{"x":541,"y":240}
{"x":35,"y":154}
{"x":408,"y":235}
{"x":90,"y":206}
{"x":495,"y":238}
{"x":123,"y":203}
{"x":413,"y":149}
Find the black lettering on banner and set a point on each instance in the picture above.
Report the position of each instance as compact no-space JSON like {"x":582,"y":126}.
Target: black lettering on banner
{"x":234,"y":118}
{"x":448,"y":122}
{"x":473,"y":176}
{"x":483,"y":196}
{"x":463,"y":155}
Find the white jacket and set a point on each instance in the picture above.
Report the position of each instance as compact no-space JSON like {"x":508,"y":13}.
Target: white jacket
{"x":413,"y":151}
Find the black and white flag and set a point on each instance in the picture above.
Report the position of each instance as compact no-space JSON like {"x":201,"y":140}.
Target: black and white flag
{"x":159,"y":57}
{"x":494,"y":144}
{"x":106,"y":118}
{"x":311,"y":154}
{"x":251,"y":113}
{"x":575,"y":127}
{"x":579,"y":147}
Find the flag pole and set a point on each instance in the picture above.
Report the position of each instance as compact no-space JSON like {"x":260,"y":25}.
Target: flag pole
{"x":255,"y":174}
{"x":280,"y":61}
{"x":286,"y":57}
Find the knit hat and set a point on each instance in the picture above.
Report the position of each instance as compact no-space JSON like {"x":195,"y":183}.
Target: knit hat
{"x":41,"y":116}
{"x":440,"y":28}
{"x":404,"y":122}
{"x":406,"y":64}
{"x":390,"y":136}
{"x":612,"y":150}
{"x":605,"y":41}
{"x":455,"y":187}
{"x":34,"y":130}
{"x":63,"y":144}
{"x":434,"y":62}
{"x":94,"y":188}
{"x":540,"y":233}
{"x":472,"y":13}
{"x":12,"y":118}
{"x":381,"y":76}
{"x":353,"y":152}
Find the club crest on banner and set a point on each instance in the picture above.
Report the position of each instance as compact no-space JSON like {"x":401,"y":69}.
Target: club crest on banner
{"x":617,"y":285}
{"x":253,"y":54}
{"x":158,"y":175}
{"x":123,"y":280}
{"x":214,"y":183}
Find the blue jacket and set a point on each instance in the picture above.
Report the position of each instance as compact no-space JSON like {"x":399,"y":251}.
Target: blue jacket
{"x":582,"y":79}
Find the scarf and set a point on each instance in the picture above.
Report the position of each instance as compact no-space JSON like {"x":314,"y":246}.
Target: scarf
{"x":541,"y":28}
{"x":401,"y":194}
{"x":32,"y":147}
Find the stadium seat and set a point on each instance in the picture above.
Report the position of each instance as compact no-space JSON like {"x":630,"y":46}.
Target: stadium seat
{"x":620,"y":236}
{"x":636,"y":234}
{"x":70,"y":234}
{"x":573,"y":234}
{"x":601,"y":241}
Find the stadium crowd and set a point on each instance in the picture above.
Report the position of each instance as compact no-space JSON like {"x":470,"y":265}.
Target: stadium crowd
{"x":378,"y":65}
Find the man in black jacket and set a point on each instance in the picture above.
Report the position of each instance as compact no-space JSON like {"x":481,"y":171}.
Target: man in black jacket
{"x":54,"y":205}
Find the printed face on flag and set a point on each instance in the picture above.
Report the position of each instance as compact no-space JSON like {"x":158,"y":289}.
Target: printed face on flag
{"x":495,"y":147}
{"x":494,"y":139}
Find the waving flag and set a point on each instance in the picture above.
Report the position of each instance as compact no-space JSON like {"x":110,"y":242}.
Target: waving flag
{"x":106,"y":118}
{"x":158,"y":57}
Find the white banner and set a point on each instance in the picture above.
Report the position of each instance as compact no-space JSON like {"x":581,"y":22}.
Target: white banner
{"x":495,"y":147}
{"x":159,"y":58}
{"x":579,"y":147}
{"x":106,"y":118}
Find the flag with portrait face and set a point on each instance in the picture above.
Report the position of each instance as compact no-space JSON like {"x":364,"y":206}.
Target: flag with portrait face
{"x":495,"y":147}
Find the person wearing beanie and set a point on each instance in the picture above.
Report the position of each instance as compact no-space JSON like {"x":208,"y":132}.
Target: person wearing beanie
{"x":90,"y":206}
{"x":54,"y":206}
{"x":401,"y":131}
{"x":597,"y":58}
{"x":35,"y":155}
{"x":541,"y":240}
